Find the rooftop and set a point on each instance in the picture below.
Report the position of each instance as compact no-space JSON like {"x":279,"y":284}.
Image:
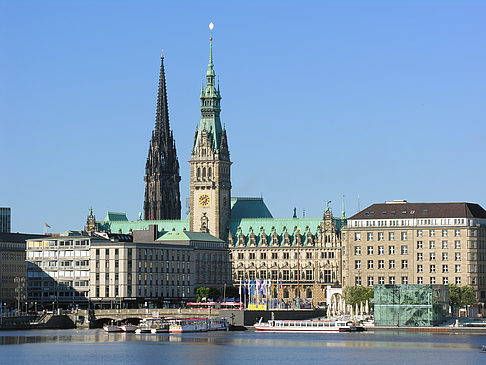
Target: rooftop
{"x":402,"y":209}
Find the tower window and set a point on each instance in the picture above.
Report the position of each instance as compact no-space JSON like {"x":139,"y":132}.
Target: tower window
{"x":204,"y":172}
{"x":198,"y":172}
{"x":209,"y":171}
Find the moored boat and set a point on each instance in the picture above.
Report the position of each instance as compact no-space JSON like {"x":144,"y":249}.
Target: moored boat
{"x":182,"y":325}
{"x":308,"y":326}
{"x":153,"y":325}
{"x":218,"y":324}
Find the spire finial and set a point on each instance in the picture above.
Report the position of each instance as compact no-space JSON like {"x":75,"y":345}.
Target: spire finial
{"x":162,"y":53}
{"x":211,"y":26}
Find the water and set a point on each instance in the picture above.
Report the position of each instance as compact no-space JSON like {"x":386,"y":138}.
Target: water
{"x":97,"y":347}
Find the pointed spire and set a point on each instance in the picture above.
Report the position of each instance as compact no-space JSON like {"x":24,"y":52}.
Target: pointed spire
{"x":162,"y":167}
{"x":162,"y":111}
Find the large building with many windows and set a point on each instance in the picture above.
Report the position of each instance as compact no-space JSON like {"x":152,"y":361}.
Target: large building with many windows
{"x":417,"y":243}
{"x":120,"y":270}
{"x":12,"y":268}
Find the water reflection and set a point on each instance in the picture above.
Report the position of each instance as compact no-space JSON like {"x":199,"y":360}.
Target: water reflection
{"x":250,"y":339}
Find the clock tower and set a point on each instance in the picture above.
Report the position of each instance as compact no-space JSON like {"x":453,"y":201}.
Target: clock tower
{"x":210,"y":186}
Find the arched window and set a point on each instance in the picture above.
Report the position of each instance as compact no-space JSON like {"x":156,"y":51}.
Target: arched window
{"x":308,"y":293}
{"x":286,"y":293}
{"x":198,"y":172}
{"x":204,"y":172}
{"x":209,"y":171}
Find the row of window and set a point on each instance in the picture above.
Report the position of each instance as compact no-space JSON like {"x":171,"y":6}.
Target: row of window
{"x":284,"y":255}
{"x":370,"y":281}
{"x":404,"y":250}
{"x":404,"y":222}
{"x":403,"y":235}
{"x":404,"y":265}
{"x":327,"y":276}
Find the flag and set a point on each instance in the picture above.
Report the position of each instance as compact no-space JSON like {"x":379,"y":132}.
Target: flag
{"x":252,"y":287}
{"x":46,"y":225}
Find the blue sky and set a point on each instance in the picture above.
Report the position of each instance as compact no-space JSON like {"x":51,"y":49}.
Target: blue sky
{"x":321,"y":99}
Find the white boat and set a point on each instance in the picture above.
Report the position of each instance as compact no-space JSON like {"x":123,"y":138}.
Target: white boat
{"x":128,"y":327}
{"x":111,"y":328}
{"x":182,"y":325}
{"x":218,"y":324}
{"x":153,"y":325}
{"x":308,"y":326}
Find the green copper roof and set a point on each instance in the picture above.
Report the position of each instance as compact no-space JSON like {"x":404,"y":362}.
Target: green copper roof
{"x":269,"y":225}
{"x":127,"y":226}
{"x":249,"y":208}
{"x":116,"y":216}
{"x":188,"y":236}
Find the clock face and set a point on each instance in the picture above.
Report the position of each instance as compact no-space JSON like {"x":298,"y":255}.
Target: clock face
{"x":204,"y":200}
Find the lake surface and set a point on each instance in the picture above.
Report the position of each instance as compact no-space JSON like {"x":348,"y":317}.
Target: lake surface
{"x":97,"y":347}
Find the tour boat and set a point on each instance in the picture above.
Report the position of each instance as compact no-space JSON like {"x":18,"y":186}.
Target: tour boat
{"x":308,"y":326}
{"x":128,"y":327}
{"x":188,"y":325}
{"x":217,"y":324}
{"x":153,"y":325}
{"x":181,"y":325}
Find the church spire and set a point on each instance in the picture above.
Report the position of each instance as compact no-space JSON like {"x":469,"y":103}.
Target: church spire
{"x":162,"y":196}
{"x":162,"y":111}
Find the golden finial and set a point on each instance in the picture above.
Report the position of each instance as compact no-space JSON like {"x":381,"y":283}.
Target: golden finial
{"x":162,"y":53}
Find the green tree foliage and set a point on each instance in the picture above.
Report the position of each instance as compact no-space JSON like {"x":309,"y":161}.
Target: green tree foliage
{"x":460,"y":296}
{"x":208,"y":293}
{"x":202,"y":292}
{"x":357,"y":294}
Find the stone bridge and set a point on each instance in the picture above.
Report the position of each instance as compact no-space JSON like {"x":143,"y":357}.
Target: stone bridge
{"x":96,"y":318}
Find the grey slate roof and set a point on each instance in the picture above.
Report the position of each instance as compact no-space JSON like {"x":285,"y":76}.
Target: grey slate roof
{"x":399,"y":210}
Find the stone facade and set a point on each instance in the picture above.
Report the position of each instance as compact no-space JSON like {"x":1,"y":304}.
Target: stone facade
{"x":417,"y":243}
{"x":305,"y":260}
{"x":162,"y":196}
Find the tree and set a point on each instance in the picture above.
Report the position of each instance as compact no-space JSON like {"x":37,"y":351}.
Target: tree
{"x":460,"y":296}
{"x":357,"y":294}
{"x":202,"y":292}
